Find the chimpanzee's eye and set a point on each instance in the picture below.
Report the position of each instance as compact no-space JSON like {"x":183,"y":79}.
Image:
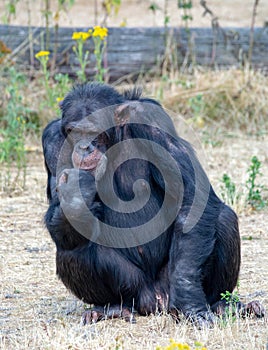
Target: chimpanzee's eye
{"x":94,"y":142}
{"x":103,"y":139}
{"x":68,"y":129}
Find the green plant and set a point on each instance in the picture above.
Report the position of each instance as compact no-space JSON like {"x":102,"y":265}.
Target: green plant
{"x":186,"y":7}
{"x":154,"y":7}
{"x":10,"y":10}
{"x":99,"y":35}
{"x":231,"y":300}
{"x":251,"y":36}
{"x":47,"y":13}
{"x":119,"y":343}
{"x":254,"y":196}
{"x":15,"y":124}
{"x":230,"y":297}
{"x":80,"y":38}
{"x":166,"y":15}
{"x":173,"y":345}
{"x":212,"y":137}
{"x":53,"y":93}
{"x":63,"y":84}
{"x":228,"y":188}
{"x":197,"y":106}
{"x":109,"y":6}
{"x":43,"y":57}
{"x":64,"y":4}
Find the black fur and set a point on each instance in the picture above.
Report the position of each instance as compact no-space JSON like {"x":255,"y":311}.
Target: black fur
{"x":182,"y":271}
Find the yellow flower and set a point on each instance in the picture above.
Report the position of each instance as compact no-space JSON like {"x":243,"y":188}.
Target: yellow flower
{"x":184,"y":347}
{"x":59,"y":99}
{"x":174,"y":346}
{"x":123,"y":23}
{"x":81,"y":36}
{"x":102,"y":32}
{"x":42,"y":53}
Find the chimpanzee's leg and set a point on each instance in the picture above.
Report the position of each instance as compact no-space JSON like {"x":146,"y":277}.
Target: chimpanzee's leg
{"x":221,"y":270}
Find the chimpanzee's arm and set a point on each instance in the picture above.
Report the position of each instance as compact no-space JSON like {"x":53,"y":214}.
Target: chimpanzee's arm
{"x":52,"y":141}
{"x":63,"y":198}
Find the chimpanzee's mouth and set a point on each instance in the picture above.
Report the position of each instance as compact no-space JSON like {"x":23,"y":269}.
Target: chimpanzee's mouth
{"x":90,"y":161}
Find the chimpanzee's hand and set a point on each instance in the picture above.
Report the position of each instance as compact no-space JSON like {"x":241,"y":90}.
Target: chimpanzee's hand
{"x":101,"y":168}
{"x":76,"y":190}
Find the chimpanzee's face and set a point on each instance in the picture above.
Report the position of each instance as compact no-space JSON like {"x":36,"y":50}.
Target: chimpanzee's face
{"x":88,"y":143}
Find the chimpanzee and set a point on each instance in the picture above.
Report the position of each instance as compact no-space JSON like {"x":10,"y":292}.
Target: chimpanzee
{"x":136,"y":223}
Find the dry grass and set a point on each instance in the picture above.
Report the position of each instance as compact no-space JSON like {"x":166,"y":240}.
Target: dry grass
{"x":233,"y":99}
{"x":37,"y":312}
{"x":136,"y":13}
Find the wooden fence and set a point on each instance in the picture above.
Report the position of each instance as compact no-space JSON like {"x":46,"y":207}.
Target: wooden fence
{"x":131,"y":51}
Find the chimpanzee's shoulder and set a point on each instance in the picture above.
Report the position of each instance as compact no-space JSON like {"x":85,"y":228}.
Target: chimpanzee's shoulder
{"x":52,"y":128}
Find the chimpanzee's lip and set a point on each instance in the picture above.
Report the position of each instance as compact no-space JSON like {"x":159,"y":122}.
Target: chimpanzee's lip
{"x":91,"y":161}
{"x":86,"y":166}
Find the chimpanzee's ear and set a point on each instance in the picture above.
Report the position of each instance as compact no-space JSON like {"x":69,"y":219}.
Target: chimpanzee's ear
{"x":127,"y":112}
{"x":60,"y":104}
{"x":122,"y":114}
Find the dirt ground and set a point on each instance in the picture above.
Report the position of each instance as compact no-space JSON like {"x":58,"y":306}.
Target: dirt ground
{"x":135,"y":13}
{"x":36,"y":311}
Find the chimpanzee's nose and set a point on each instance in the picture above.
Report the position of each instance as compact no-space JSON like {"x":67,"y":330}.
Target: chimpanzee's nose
{"x":86,"y":147}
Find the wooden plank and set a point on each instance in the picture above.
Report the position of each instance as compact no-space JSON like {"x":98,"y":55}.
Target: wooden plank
{"x":135,"y":50}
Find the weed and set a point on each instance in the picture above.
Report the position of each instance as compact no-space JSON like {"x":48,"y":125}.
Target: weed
{"x":10,"y":11}
{"x":231,"y":311}
{"x":80,"y":38}
{"x":119,"y":343}
{"x":109,"y":6}
{"x":254,"y":196}
{"x":197,"y":106}
{"x":154,"y":7}
{"x":212,"y":138}
{"x":99,"y":38}
{"x":186,"y":6}
{"x":251,"y":38}
{"x":173,"y":345}
{"x":63,"y":84}
{"x":12,"y":135}
{"x":166,"y":15}
{"x":98,"y":35}
{"x":230,"y":297}
{"x":228,"y":188}
{"x":53,"y":93}
{"x":43,"y":57}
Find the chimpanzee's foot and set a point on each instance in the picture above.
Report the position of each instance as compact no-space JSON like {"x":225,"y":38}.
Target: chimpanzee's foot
{"x":252,"y":309}
{"x":99,"y":313}
{"x":151,"y":301}
{"x":203,"y":319}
